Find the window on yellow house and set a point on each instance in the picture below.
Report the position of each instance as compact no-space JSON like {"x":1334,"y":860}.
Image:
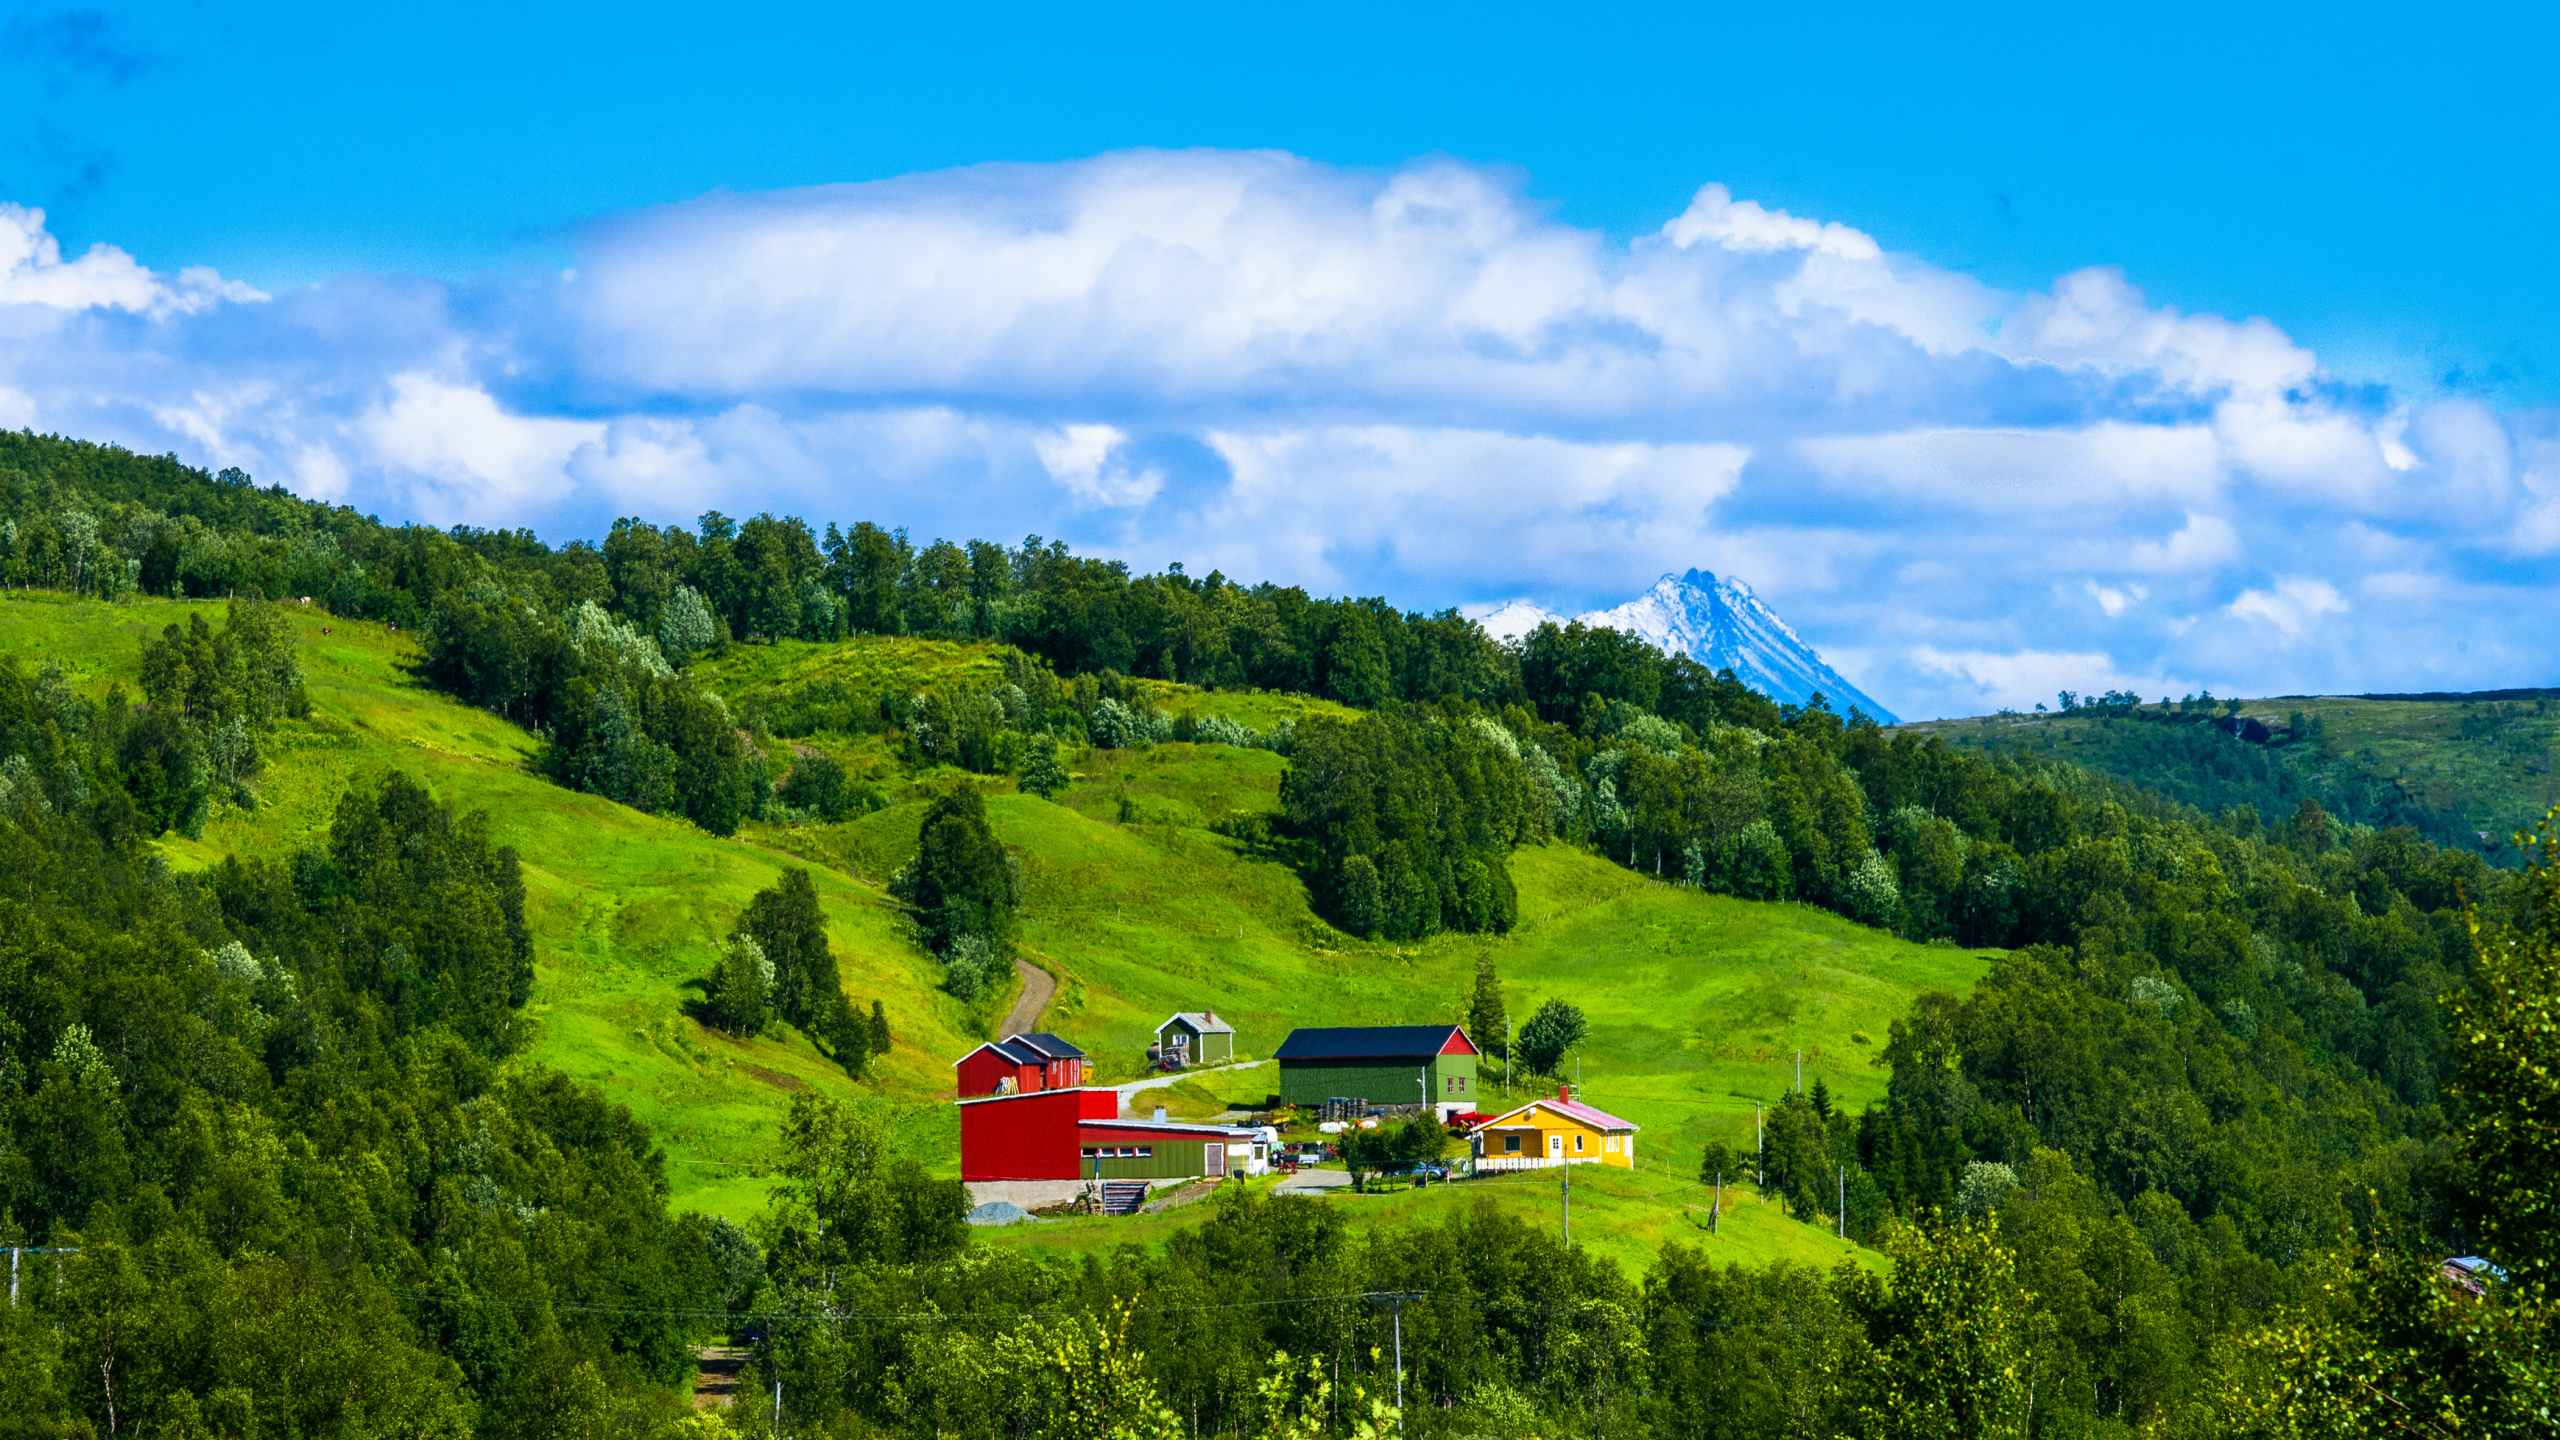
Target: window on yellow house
{"x":1577,"y":1144}
{"x":1510,"y":1144}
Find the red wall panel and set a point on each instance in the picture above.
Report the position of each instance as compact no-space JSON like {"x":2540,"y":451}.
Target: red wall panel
{"x":1030,"y":1136}
{"x":979,"y":1071}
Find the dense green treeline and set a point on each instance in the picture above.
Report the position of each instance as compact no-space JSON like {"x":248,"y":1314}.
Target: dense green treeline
{"x":259,"y":1115}
{"x":586,"y":642}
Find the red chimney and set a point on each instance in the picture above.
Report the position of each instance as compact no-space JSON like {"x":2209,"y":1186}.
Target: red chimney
{"x":1564,"y":1092}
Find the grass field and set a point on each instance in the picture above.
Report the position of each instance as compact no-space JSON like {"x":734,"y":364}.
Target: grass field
{"x":2492,"y":766}
{"x":626,"y":908}
{"x":1627,"y":1216}
{"x":1698,"y":1003}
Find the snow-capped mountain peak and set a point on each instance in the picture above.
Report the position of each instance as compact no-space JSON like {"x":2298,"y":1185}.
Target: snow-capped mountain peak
{"x":1718,"y":622}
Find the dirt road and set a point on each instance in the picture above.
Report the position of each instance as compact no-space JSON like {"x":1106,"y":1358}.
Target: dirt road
{"x":1037,"y":986}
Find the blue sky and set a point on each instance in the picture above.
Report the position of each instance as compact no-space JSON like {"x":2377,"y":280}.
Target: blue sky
{"x":1433,"y":302}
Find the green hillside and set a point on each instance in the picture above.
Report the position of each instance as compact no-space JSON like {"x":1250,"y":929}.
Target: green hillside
{"x":626,"y":907}
{"x":1624,"y":1217}
{"x":2467,"y":771}
{"x":1698,"y":1003}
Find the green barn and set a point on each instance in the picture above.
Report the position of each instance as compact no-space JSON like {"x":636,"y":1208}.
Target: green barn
{"x":1382,"y":1064}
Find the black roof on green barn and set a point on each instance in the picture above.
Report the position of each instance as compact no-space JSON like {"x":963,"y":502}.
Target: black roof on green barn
{"x":1366,"y":1042}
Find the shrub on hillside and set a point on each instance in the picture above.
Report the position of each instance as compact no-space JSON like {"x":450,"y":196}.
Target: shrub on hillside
{"x":961,"y":881}
{"x":1557,"y":1027}
{"x":741,"y":989}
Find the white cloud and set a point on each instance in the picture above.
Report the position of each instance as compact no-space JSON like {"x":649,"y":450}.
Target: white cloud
{"x":2114,"y":600}
{"x":1410,"y":382}
{"x":33,"y":272}
{"x":2096,"y":317}
{"x":2292,"y":606}
{"x":469,"y":460}
{"x":2016,"y":469}
{"x":1718,"y":219}
{"x":2023,"y":679}
{"x":1328,"y":504}
{"x":1081,"y":458}
{"x":2204,"y":542}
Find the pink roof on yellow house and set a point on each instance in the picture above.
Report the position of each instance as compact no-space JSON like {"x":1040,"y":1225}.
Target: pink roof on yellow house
{"x":1564,"y":1104}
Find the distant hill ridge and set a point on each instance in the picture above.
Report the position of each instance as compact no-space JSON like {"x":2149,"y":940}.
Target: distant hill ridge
{"x":2461,"y":696}
{"x":1719,"y":622}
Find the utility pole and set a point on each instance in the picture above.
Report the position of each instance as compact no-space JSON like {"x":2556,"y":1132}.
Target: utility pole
{"x":1568,"y":1205}
{"x":1395,"y":1305}
{"x":1759,"y":1150}
{"x":1510,"y":1033}
{"x":1844,"y":1202}
{"x":1715,"y":1212}
{"x":56,"y":1251}
{"x":1799,"y":1072}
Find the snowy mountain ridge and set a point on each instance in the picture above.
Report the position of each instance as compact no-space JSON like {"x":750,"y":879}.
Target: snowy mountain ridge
{"x":1718,"y":622}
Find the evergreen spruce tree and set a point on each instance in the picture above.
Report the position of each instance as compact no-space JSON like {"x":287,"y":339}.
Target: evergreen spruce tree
{"x":960,"y":882}
{"x":1486,"y":1023}
{"x":742,"y":988}
{"x":785,"y":920}
{"x":1044,"y":773}
{"x":847,"y":1035}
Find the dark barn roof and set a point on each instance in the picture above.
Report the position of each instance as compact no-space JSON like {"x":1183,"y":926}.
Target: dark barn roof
{"x":1366,"y":1042}
{"x":1050,"y":1045}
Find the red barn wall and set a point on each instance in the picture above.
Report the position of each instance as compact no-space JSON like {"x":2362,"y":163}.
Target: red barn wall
{"x":1030,"y":1136}
{"x":979,"y":1071}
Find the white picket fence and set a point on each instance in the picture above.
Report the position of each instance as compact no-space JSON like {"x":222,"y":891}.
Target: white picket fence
{"x":1486,"y":1164}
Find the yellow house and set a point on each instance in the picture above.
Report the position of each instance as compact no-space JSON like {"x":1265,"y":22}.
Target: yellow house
{"x":1561,"y":1131}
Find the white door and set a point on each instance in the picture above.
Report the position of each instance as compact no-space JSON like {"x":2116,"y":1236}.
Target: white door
{"x":1555,"y":1147}
{"x":1215,"y":1154}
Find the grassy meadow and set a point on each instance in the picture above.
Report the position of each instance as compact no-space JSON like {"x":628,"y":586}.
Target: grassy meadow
{"x":626,"y":908}
{"x":2489,"y":764}
{"x":1698,"y":1003}
{"x":1626,"y":1216}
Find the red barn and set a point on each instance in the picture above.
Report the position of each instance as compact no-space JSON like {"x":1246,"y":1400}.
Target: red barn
{"x":1020,"y":1063}
{"x":1029,"y":1136}
{"x":1079,"y":1135}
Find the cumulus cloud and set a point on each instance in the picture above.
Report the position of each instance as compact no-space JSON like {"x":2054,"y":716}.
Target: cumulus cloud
{"x":33,"y":273}
{"x":2291,"y":606}
{"x":1087,"y":459}
{"x":1409,"y":381}
{"x":2113,"y":600}
{"x":2022,"y":679}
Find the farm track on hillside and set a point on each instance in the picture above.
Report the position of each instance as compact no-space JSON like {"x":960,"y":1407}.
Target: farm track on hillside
{"x":1038,"y":986}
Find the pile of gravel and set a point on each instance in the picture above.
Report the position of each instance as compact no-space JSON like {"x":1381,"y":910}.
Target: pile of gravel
{"x":999,"y":1212}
